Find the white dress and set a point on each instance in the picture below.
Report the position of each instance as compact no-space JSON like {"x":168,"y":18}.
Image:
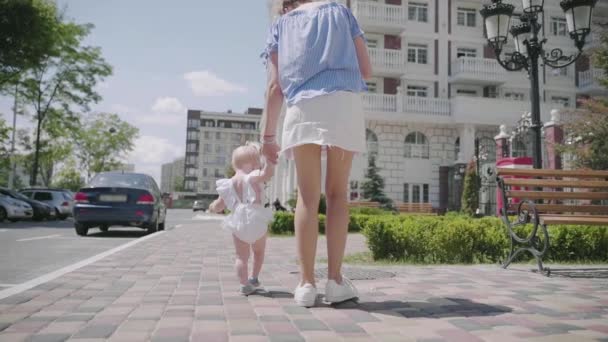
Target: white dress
{"x":247,"y":220}
{"x":331,"y":120}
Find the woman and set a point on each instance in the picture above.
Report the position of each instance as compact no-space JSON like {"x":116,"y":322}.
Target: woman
{"x":317,"y":60}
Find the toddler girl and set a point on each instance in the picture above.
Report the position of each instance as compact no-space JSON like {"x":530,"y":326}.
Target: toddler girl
{"x":248,"y":219}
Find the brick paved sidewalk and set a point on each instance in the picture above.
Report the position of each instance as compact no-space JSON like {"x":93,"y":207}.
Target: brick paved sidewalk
{"x":180,"y":286}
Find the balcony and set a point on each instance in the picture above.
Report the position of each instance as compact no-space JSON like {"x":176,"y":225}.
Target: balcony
{"x":589,"y":84}
{"x":374,"y":16}
{"x":494,"y":111}
{"x":387,"y":62}
{"x":469,"y":70}
{"x":401,"y":107}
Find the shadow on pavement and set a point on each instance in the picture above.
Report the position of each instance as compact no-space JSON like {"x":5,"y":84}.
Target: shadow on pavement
{"x":116,"y":233}
{"x":431,"y":308}
{"x":38,"y":224}
{"x":583,"y":273}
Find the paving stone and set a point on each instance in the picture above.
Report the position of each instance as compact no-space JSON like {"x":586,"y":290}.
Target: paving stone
{"x":96,"y":331}
{"x":286,"y":338}
{"x":310,"y":325}
{"x":50,"y":338}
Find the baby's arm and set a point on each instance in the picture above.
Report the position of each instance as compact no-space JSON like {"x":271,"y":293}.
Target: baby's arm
{"x":265,"y":175}
{"x":217,"y":206}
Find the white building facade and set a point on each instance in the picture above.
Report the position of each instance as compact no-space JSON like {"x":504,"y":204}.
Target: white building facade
{"x":170,"y":174}
{"x":437,"y":87}
{"x":210,"y":139}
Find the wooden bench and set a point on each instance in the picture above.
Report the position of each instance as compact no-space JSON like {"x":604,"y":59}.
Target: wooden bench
{"x":416,"y":208}
{"x":547,"y":197}
{"x":364,"y":204}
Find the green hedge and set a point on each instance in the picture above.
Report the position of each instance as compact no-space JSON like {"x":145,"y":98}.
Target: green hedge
{"x":460,"y":239}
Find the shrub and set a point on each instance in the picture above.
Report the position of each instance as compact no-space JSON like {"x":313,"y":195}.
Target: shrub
{"x":369,"y":211}
{"x":461,"y":239}
{"x":283,"y":223}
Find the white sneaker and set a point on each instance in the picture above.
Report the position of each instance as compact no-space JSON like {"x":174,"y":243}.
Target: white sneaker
{"x":305,"y":295}
{"x":336,"y":293}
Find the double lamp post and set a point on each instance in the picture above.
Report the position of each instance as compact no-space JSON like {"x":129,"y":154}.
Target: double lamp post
{"x":530,"y":47}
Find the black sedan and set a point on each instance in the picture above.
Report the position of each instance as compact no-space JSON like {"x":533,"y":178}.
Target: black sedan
{"x":41,"y":210}
{"x":119,"y":199}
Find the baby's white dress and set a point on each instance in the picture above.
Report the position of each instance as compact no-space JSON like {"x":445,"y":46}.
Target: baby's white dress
{"x":247,"y":220}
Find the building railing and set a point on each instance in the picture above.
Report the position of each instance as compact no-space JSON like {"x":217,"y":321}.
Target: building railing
{"x":406,"y":104}
{"x":381,"y":14}
{"x":590,"y":77}
{"x":485,"y":68}
{"x":387,"y":59}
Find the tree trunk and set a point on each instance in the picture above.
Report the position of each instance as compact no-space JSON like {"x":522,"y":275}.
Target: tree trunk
{"x":34,"y":177}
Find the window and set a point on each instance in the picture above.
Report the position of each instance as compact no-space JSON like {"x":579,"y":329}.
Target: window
{"x":490,"y":92}
{"x":191,"y":172}
{"x":208,"y":123}
{"x":372,"y":87}
{"x":456,"y":148}
{"x":207,"y":148}
{"x":418,"y":12}
{"x":43,"y":196}
{"x":514,"y":96}
{"x":191,"y":147}
{"x":417,"y":53}
{"x":193,"y":123}
{"x":466,"y":52}
{"x":563,"y":72}
{"x":207,"y":135}
{"x":236,"y":137}
{"x":416,"y":146}
{"x":220,"y":160}
{"x":415,"y":193}
{"x":416,"y":91}
{"x":560,"y":100}
{"x":219,"y":149}
{"x":205,"y":185}
{"x":218,"y":174}
{"x":218,"y":135}
{"x":192,"y":135}
{"x":558,"y":26}
{"x":372,"y":142}
{"x":192,"y":160}
{"x":372,"y":43}
{"x":190,"y":185}
{"x":467,"y":17}
{"x":205,"y":172}
{"x":466,"y":92}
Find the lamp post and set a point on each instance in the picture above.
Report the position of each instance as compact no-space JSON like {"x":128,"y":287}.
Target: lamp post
{"x":529,"y":47}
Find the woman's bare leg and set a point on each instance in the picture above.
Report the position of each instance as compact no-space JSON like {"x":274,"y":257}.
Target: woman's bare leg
{"x":308,"y":170}
{"x":339,"y":163}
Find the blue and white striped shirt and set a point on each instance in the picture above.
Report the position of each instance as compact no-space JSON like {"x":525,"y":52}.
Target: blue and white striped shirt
{"x":317,"y":55}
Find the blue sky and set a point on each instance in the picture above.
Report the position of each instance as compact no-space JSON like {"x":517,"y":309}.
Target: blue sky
{"x":169,"y":56}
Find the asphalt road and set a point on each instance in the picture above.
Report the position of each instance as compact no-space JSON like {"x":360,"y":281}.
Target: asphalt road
{"x":31,"y":249}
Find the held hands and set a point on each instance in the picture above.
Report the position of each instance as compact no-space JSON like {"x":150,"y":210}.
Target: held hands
{"x":270,"y":149}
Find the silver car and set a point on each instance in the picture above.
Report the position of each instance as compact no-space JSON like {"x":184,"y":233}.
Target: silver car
{"x":14,"y":210}
{"x":60,"y":200}
{"x":198,"y":205}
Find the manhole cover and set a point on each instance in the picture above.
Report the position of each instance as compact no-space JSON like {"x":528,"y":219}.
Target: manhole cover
{"x":354,"y":273}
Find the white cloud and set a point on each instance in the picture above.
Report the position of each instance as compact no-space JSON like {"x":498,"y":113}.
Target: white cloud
{"x":168,"y":105}
{"x":151,"y":152}
{"x":206,"y":83}
{"x":122,"y":109}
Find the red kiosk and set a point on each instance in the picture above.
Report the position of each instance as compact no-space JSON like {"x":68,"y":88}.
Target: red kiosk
{"x":511,"y":163}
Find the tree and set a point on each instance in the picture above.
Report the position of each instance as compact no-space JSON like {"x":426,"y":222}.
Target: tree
{"x":102,"y":141}
{"x":64,"y":79}
{"x":587,"y":136}
{"x":178,"y":184}
{"x":600,"y":55}
{"x":27,"y":35}
{"x":4,"y":152}
{"x":470,"y":191}
{"x":69,"y":177}
{"x":373,"y":187}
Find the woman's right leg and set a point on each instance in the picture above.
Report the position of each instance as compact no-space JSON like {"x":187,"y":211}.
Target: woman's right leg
{"x":308,"y":171}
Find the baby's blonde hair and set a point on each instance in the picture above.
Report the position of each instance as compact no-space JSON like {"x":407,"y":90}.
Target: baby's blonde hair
{"x":246,"y":154}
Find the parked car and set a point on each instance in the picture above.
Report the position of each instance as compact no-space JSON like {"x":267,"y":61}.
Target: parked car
{"x":59,"y":200}
{"x":13,"y":209}
{"x":41,"y":210}
{"x":198,"y":205}
{"x":119,"y":199}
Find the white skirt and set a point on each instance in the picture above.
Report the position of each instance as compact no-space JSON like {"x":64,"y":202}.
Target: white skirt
{"x":332,"y":120}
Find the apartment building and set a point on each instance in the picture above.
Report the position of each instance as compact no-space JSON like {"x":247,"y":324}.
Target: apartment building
{"x":437,"y":89}
{"x":170,"y":174}
{"x":210,"y":139}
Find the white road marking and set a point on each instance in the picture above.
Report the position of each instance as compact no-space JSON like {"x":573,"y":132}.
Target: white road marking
{"x":7,"y":285}
{"x":56,"y":274}
{"x":39,"y":238}
{"x":208,"y":217}
{"x":179,"y":226}
{"x":3,"y":230}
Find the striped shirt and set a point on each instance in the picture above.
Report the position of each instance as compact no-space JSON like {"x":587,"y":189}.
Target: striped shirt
{"x":317,"y":55}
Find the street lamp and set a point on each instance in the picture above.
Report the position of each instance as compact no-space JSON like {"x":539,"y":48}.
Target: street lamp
{"x":529,"y":48}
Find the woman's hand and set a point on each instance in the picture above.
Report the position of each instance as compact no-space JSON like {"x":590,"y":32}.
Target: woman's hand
{"x":270,"y":151}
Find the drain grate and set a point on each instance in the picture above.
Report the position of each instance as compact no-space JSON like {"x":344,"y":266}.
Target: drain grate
{"x":355,"y":273}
